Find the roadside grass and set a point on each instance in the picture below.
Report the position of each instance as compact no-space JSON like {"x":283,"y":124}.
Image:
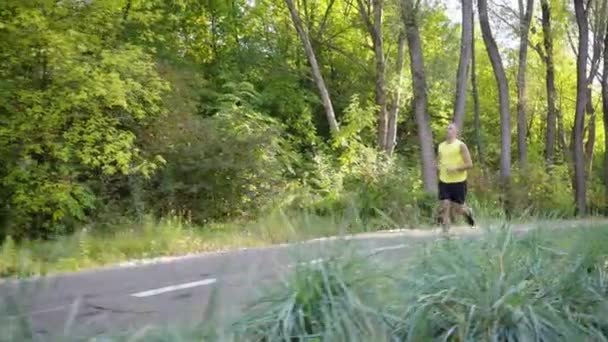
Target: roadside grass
{"x":173,"y":236}
{"x":549,"y":285}
{"x":339,"y":299}
{"x":544,"y":285}
{"x":176,"y":236}
{"x":503,"y":289}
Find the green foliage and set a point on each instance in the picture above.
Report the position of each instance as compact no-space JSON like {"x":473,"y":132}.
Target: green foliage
{"x":231,"y":164}
{"x":69,"y":115}
{"x":114,"y":109}
{"x":9,"y":257}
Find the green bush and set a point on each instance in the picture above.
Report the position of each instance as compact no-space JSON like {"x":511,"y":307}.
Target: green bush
{"x":230,"y":165}
{"x":71,"y":120}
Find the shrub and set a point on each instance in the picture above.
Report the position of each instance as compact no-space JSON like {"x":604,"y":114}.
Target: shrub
{"x":229,"y":165}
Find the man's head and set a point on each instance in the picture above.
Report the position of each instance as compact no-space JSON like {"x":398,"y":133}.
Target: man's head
{"x":452,"y":131}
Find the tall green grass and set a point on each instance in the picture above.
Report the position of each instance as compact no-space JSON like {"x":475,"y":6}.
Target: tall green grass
{"x":338,"y":299}
{"x":545,"y":285}
{"x":173,"y":236}
{"x":507,"y":290}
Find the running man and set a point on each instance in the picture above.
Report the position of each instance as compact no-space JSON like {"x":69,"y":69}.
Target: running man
{"x":454,"y":160}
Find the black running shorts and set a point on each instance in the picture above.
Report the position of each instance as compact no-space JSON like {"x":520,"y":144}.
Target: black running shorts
{"x":454,"y":192}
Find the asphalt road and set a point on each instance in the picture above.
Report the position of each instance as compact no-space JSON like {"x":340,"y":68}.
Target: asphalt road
{"x":179,"y":290}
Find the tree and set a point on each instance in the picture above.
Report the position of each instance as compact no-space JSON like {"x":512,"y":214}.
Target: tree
{"x":503,"y":92}
{"x":581,"y":103}
{"x":393,"y":113}
{"x":425,"y":134}
{"x":523,"y":17}
{"x":524,"y":28}
{"x":476,"y":114}
{"x":597,"y":10}
{"x":316,"y":71}
{"x":375,"y":30}
{"x":463,"y":65}
{"x":605,"y":117}
{"x":547,"y":57}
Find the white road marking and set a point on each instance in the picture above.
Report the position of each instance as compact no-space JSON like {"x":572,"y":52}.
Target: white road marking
{"x":57,"y":308}
{"x":388,"y":248}
{"x":171,"y":288}
{"x":38,"y":312}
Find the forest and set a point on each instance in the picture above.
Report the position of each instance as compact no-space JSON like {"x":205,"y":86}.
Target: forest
{"x":227,"y":110}
{"x":133,"y":132}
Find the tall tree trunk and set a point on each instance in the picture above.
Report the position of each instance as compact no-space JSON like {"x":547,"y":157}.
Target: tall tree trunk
{"x":590,"y":144}
{"x":605,"y":116}
{"x":503,"y":93}
{"x":598,"y":31}
{"x":316,"y":71}
{"x":581,"y":102}
{"x":425,"y":134}
{"x":524,"y":28}
{"x":477,"y":123}
{"x":561,"y":135}
{"x":463,"y":64}
{"x":391,"y":135}
{"x":590,"y":129}
{"x":375,"y":31}
{"x":550,"y":82}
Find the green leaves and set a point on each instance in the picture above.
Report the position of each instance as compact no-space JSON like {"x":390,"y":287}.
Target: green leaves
{"x":73,"y":116}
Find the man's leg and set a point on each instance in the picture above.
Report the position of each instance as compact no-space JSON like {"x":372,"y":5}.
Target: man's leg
{"x":445,"y":215}
{"x":442,"y":208}
{"x":465,"y":211}
{"x":460,"y":194}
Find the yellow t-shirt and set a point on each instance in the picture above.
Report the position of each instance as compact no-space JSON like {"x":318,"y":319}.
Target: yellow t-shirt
{"x":450,"y":157}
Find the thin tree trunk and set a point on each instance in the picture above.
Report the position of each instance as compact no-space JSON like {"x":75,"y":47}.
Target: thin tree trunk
{"x":463,"y":64}
{"x":561,"y":134}
{"x":425,"y":134}
{"x":375,"y":31}
{"x":526,"y":19}
{"x":475,"y":94}
{"x":503,"y":93}
{"x":581,"y":102}
{"x":316,"y":71}
{"x":605,"y":116}
{"x":590,"y":130}
{"x":598,"y":31}
{"x":391,"y":136}
{"x":550,"y":82}
{"x":590,"y":145}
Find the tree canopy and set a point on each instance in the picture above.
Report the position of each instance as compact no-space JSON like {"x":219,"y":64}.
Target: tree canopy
{"x":223,"y":108}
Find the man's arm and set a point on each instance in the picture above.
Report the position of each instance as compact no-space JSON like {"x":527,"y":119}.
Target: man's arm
{"x":466,"y":156}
